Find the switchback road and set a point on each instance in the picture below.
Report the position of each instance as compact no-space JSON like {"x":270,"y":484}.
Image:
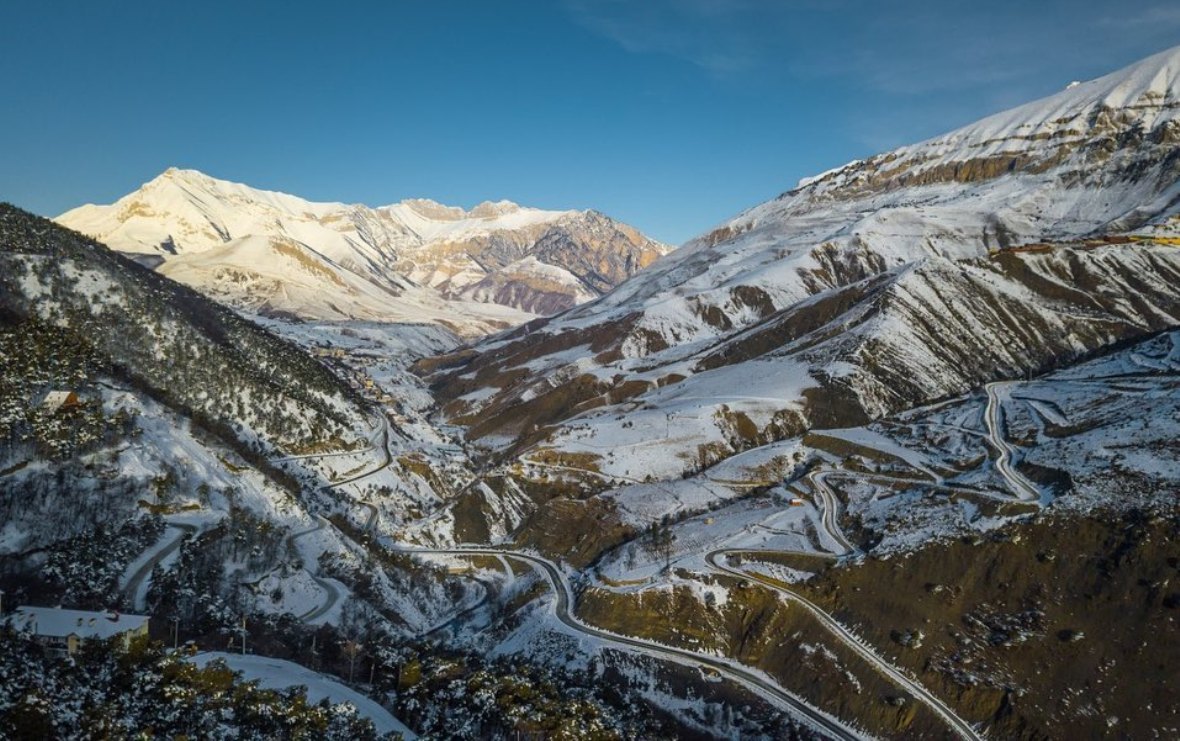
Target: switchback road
{"x":1020,"y":486}
{"x":960,"y":726}
{"x":563,"y":607}
{"x":332,"y":594}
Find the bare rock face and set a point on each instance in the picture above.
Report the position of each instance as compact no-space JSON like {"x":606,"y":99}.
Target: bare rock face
{"x":600,"y":251}
{"x":596,"y":252}
{"x":532,"y":285}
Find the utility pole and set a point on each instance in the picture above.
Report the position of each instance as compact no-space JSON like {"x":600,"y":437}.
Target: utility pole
{"x":243,"y":635}
{"x":353,"y":648}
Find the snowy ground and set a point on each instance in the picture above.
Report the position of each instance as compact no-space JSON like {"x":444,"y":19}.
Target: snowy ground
{"x":279,"y":674}
{"x":633,"y":441}
{"x":375,"y":359}
{"x":929,"y":473}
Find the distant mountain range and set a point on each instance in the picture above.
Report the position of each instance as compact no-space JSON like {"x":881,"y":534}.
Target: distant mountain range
{"x":416,"y":261}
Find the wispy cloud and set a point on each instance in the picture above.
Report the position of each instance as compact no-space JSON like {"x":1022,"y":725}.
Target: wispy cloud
{"x":1157,"y":17}
{"x":914,"y":49}
{"x":715,"y":35}
{"x":1002,"y":51}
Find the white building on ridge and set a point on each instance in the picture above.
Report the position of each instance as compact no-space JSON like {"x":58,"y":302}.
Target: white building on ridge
{"x":67,"y":629}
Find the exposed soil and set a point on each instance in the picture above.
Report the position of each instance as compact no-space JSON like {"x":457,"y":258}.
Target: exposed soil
{"x":1061,"y":628}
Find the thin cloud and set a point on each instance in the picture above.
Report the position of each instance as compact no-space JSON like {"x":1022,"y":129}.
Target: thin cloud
{"x":907,"y":48}
{"x":1157,"y":18}
{"x":714,"y":35}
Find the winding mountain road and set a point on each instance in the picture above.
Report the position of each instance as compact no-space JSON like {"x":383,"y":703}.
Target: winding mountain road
{"x":828,"y":517}
{"x":960,"y":726}
{"x":462,"y":614}
{"x":135,"y":588}
{"x":1020,"y":486}
{"x":614,"y":478}
{"x":331,"y":591}
{"x":365,"y":474}
{"x":333,"y":594}
{"x":371,"y":521}
{"x":759,"y":684}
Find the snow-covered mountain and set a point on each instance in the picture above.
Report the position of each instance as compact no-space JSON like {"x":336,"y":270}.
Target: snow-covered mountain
{"x":416,"y":261}
{"x":1097,"y":158}
{"x":911,"y":276}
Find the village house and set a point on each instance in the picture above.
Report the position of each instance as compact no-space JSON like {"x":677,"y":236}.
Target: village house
{"x":56,"y":400}
{"x":66,"y":630}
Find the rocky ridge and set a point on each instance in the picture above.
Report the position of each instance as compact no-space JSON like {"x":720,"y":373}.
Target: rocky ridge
{"x":414,"y":261}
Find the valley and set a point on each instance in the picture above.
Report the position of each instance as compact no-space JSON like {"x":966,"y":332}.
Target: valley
{"x":893,"y":454}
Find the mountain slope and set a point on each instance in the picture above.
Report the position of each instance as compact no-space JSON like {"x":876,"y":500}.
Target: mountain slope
{"x":413,"y":261}
{"x":885,"y":284}
{"x":189,"y":417}
{"x":189,"y":352}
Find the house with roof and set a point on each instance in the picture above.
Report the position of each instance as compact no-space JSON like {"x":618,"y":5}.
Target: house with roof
{"x":56,"y":400}
{"x":67,"y":630}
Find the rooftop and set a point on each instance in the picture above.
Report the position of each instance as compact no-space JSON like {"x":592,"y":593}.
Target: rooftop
{"x":54,"y":621}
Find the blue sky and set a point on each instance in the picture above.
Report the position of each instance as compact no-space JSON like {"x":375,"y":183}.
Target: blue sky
{"x":672,"y":115}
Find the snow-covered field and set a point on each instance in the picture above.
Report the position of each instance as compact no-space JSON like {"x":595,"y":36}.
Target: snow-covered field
{"x":279,"y":674}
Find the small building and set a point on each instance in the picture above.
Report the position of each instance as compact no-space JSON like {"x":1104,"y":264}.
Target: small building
{"x":796,"y":502}
{"x":56,"y":400}
{"x":66,"y":630}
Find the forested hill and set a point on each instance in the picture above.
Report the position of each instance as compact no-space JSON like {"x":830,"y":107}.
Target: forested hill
{"x":187,"y":351}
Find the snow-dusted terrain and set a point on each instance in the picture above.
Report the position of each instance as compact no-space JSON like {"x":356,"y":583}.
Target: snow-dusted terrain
{"x":277,"y":674}
{"x":943,"y":344}
{"x":1011,"y":244}
{"x":417,"y":261}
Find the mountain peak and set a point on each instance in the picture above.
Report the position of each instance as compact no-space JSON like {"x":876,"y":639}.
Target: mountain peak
{"x":182,"y":175}
{"x":1081,"y":128}
{"x":273,"y":251}
{"x":436,"y":211}
{"x":1148,"y":91}
{"x":433,"y":210}
{"x":492,"y":209}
